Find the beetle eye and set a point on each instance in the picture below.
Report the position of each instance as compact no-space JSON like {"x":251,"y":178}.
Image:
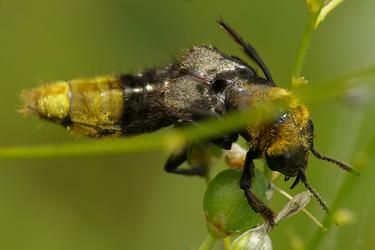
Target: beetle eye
{"x":218,"y":85}
{"x":282,"y":118}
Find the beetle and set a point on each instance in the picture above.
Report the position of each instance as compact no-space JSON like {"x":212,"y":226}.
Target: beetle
{"x":203,"y":83}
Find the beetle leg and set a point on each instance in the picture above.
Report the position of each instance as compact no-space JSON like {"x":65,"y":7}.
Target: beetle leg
{"x":317,"y":196}
{"x":176,"y":159}
{"x":296,"y":181}
{"x":225,"y":141}
{"x":245,"y":184}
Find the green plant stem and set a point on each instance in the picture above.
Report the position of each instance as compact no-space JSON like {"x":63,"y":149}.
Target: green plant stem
{"x":208,"y":242}
{"x":307,"y":35}
{"x":227,"y":243}
{"x":166,"y":140}
{"x":327,"y":9}
{"x":163,"y":140}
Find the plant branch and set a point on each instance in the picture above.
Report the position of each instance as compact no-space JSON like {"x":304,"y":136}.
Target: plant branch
{"x":227,"y":243}
{"x":315,"y":7}
{"x":169,"y":139}
{"x":208,"y":243}
{"x":326,"y":10}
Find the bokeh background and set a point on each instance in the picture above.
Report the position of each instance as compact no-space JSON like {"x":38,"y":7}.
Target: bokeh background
{"x":127,"y":201}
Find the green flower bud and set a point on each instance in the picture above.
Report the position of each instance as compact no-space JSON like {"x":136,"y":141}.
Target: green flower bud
{"x":226,"y":208}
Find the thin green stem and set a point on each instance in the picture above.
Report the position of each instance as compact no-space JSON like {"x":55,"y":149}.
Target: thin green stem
{"x":208,"y":243}
{"x":327,"y":9}
{"x":91,"y":148}
{"x":307,"y":35}
{"x":227,"y":243}
{"x":163,"y":140}
{"x":166,"y":140}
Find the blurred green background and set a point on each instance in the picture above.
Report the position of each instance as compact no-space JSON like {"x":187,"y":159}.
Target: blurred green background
{"x":128,"y":202}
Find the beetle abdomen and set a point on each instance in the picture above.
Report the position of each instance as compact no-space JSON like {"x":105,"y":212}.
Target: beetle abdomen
{"x":92,"y":107}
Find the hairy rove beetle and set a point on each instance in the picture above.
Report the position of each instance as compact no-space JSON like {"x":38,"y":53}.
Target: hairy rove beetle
{"x":203,"y":83}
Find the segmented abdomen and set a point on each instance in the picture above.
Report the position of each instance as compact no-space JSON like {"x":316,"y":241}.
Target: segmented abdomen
{"x":92,"y":107}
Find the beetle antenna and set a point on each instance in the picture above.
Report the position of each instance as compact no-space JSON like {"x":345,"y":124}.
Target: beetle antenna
{"x":247,"y":48}
{"x":339,"y":163}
